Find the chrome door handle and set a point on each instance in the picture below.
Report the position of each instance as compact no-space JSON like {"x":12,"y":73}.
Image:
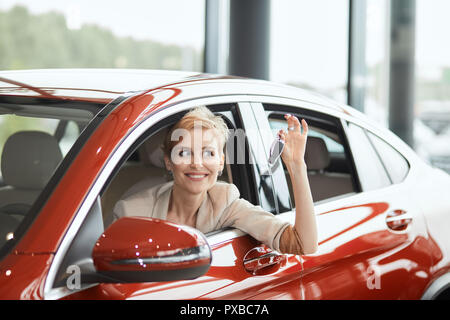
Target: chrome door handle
{"x":398,"y":220}
{"x":258,"y":260}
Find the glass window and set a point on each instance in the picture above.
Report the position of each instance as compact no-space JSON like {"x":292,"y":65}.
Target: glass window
{"x":330,"y":177}
{"x":11,"y":124}
{"x":102,"y":34}
{"x":31,"y":149}
{"x":71,"y":133}
{"x":394,"y":162}
{"x":432,"y":105}
{"x":377,"y":61}
{"x":371,"y":172}
{"x":309,"y":45}
{"x":432,"y":90}
{"x":332,"y":145}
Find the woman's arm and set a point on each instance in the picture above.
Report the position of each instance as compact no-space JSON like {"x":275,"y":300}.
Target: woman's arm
{"x":304,"y":232}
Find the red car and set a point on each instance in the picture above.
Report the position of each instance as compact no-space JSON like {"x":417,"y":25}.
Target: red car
{"x":74,"y":142}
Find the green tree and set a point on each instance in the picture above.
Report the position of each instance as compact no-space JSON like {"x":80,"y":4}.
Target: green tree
{"x":43,"y":41}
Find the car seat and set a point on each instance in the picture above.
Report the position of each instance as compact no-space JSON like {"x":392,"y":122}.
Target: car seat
{"x":135,"y":176}
{"x":324,"y":184}
{"x":28,"y":160}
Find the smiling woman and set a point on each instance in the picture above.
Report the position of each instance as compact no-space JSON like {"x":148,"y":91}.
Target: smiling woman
{"x":194,"y":155}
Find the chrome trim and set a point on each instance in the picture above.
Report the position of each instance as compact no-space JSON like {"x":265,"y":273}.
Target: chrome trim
{"x":400,"y":218}
{"x":272,"y":254}
{"x":184,"y":255}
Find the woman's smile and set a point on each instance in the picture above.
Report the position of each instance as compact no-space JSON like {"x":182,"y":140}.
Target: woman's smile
{"x":196,"y":176}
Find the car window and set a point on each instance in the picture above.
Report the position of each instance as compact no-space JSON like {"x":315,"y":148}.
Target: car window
{"x":371,"y":171}
{"x":328,"y":163}
{"x":141,"y":168}
{"x":34,"y":139}
{"x":332,"y":145}
{"x":396,"y":165}
{"x":144,"y":168}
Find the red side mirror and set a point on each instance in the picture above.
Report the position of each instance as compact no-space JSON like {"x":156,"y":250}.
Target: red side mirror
{"x":140,"y":249}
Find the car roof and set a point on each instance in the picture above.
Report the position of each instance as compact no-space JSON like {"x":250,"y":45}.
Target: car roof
{"x":104,"y":85}
{"x":88,"y":84}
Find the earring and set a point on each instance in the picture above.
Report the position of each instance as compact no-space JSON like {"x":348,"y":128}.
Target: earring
{"x":219,"y":173}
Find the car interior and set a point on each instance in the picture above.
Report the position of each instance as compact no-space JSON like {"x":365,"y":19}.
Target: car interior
{"x":328,"y":165}
{"x":324,"y":178}
{"x":33,"y":141}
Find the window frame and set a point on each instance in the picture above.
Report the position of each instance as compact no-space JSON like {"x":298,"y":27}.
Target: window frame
{"x":96,"y":212}
{"x":356,"y":160}
{"x":123,"y":151}
{"x":172,"y":119}
{"x":98,"y":110}
{"x":368,"y":133}
{"x":329,"y":120}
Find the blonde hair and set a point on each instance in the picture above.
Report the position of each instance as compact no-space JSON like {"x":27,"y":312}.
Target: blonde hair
{"x":199,"y":115}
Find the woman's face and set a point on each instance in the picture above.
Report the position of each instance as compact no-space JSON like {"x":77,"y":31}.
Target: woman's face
{"x":196,"y":160}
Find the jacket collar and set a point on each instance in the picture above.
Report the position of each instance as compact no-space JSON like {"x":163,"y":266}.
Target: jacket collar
{"x":205,"y":222}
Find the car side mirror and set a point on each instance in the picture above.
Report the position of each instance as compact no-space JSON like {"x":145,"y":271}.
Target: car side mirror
{"x":141,"y":249}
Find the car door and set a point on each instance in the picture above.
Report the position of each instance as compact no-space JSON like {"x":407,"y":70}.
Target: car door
{"x":241,"y":267}
{"x":371,"y":240}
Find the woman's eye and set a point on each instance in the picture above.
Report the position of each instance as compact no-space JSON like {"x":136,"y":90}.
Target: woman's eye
{"x":184,"y":153}
{"x":208,"y":153}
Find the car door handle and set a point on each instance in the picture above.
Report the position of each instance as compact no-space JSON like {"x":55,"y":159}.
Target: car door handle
{"x":261,"y":260}
{"x":398,"y":220}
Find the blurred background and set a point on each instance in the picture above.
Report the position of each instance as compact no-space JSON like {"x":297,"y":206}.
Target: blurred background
{"x":388,"y":59}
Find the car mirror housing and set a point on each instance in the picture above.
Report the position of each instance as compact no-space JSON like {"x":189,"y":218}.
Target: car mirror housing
{"x":142,"y":249}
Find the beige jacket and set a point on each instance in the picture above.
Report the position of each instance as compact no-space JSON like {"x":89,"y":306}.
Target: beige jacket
{"x":221,"y":208}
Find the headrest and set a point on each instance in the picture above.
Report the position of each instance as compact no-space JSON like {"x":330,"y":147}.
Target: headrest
{"x":316,"y":154}
{"x":29,"y":159}
{"x":151,"y":152}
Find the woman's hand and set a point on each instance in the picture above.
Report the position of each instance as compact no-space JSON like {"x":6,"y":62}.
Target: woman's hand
{"x":294,"y":157}
{"x":295,"y":142}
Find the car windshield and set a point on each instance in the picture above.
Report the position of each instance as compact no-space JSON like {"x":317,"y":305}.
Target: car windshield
{"x":34,"y":139}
